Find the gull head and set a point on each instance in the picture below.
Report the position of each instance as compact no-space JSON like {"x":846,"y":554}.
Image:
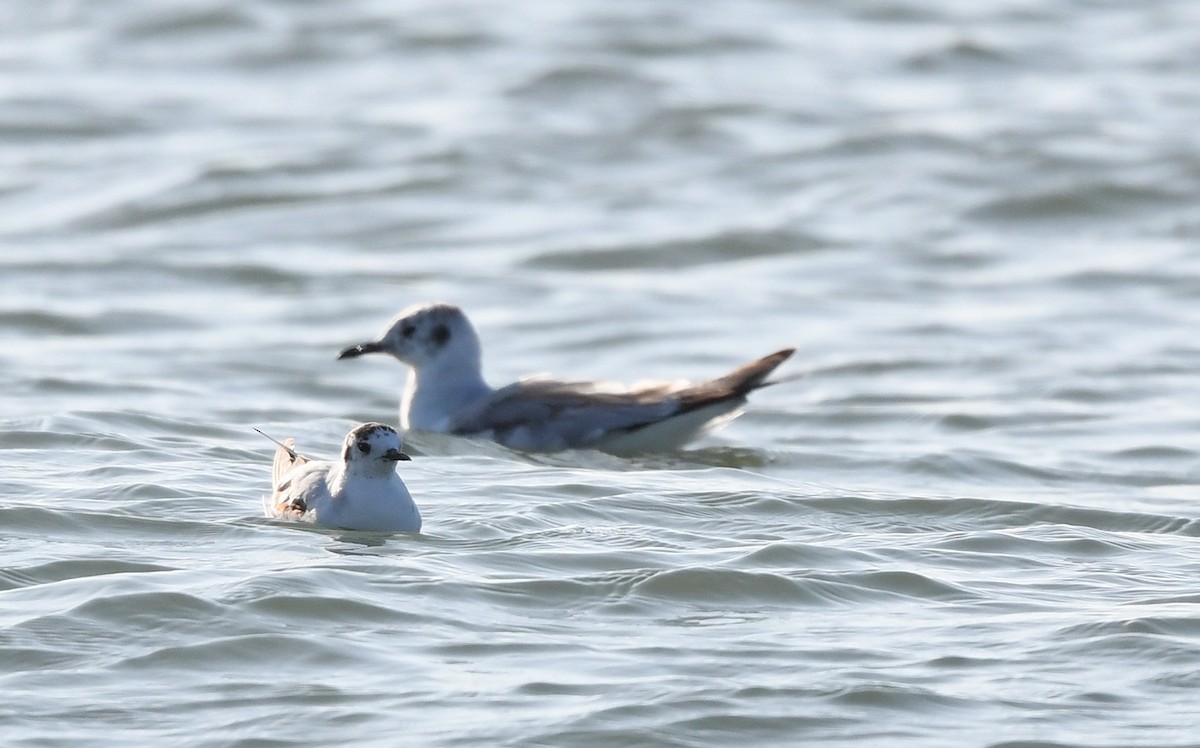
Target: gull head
{"x":423,"y":335}
{"x":375,"y":446}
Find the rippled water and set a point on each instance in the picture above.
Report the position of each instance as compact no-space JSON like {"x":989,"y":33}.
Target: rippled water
{"x":972,"y":521}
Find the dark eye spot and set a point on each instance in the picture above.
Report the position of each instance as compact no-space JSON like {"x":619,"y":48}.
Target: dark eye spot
{"x":407,"y":330}
{"x":364,"y":447}
{"x":440,"y":335}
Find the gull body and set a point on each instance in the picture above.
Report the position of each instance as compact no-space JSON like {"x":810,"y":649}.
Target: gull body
{"x":361,"y":491}
{"x":446,"y":392}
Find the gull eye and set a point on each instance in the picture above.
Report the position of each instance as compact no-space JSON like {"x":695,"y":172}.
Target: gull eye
{"x":408,"y":330}
{"x":364,"y":447}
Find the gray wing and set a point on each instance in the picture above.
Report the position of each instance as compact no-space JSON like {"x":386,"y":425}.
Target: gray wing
{"x":551,"y":414}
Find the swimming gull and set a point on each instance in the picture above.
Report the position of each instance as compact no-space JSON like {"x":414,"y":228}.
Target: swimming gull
{"x":359,"y":492}
{"x":446,"y":393}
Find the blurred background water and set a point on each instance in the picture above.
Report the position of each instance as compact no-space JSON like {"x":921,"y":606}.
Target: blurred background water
{"x":972,"y":521}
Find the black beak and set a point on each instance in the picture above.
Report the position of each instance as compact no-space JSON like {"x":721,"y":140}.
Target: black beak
{"x":355,"y":351}
{"x":395,"y":454}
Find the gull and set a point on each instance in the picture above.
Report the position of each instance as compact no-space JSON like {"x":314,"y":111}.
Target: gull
{"x":360,"y":492}
{"x":446,"y":393}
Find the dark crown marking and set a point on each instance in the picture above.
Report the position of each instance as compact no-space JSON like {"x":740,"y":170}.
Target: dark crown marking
{"x":361,"y":438}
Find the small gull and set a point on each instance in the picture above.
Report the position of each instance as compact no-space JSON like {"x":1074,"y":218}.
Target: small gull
{"x":446,"y":393}
{"x":360,"y":492}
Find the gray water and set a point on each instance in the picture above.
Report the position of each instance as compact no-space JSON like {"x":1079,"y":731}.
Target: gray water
{"x":972,"y":522}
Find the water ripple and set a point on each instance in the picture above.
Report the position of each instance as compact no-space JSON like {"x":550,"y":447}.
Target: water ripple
{"x":972,"y":521}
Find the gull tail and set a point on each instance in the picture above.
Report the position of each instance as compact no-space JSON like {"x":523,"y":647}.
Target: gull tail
{"x":737,"y":383}
{"x":754,"y":374}
{"x":286,"y":457}
{"x":703,"y":407}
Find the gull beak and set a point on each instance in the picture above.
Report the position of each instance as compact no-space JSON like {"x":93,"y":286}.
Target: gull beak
{"x":355,"y":351}
{"x":395,"y":454}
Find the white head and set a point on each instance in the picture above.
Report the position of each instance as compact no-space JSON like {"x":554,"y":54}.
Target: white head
{"x":373,"y":448}
{"x":426,"y":334}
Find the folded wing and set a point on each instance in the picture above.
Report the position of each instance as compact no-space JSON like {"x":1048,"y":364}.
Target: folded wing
{"x":285,"y":499}
{"x":548,"y":414}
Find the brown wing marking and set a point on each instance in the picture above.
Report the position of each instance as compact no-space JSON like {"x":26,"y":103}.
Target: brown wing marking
{"x":286,"y":458}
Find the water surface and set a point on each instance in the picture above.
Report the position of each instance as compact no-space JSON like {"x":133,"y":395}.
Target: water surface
{"x":971,"y":522}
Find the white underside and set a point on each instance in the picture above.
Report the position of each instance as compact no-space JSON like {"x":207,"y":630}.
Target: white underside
{"x":361,"y":503}
{"x":671,"y":433}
